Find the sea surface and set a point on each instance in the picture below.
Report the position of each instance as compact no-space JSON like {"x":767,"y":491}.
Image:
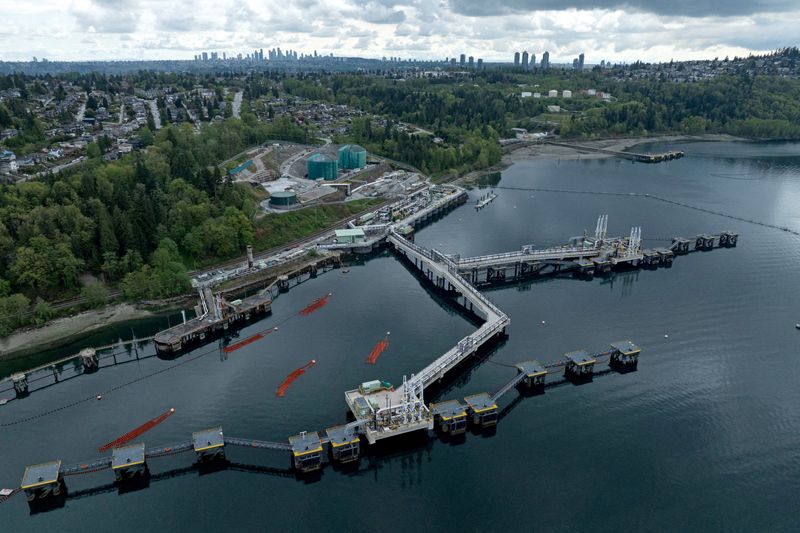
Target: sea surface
{"x":705,"y":436}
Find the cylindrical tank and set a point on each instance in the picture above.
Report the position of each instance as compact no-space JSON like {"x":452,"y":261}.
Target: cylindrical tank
{"x":282,"y":199}
{"x":352,"y":156}
{"x":322,"y":166}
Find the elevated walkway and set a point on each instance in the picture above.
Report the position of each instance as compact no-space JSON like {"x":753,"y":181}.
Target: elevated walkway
{"x":386,"y":413}
{"x":562,"y":253}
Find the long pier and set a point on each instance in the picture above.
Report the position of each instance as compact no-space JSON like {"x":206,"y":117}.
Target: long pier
{"x":382,"y":411}
{"x":387,"y":413}
{"x":640,"y":157}
{"x":45,"y":484}
{"x":586,"y":256}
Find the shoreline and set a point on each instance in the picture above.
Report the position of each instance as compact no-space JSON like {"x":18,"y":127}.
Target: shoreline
{"x":69,"y":329}
{"x":550,"y":152}
{"x":618,"y":145}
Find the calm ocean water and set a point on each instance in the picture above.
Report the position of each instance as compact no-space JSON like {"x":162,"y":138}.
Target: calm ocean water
{"x":705,"y":436}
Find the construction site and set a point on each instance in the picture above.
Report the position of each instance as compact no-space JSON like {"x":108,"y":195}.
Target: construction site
{"x":294,"y":176}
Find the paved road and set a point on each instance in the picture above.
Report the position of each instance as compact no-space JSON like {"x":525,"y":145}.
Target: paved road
{"x":286,"y":166}
{"x":155,"y":113}
{"x":189,"y":112}
{"x":56,"y":169}
{"x":81,"y":112}
{"x":236,"y":108}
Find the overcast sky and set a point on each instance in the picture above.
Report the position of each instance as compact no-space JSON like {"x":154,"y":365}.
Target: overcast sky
{"x":615,"y":30}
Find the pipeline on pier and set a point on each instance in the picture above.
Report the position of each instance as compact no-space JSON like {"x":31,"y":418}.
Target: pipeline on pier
{"x":45,"y":481}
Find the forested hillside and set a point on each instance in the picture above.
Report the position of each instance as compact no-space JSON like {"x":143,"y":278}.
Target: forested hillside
{"x":485,"y":104}
{"x":139,"y":221}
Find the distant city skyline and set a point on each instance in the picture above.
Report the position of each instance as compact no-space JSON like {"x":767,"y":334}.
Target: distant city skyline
{"x":613,"y":30}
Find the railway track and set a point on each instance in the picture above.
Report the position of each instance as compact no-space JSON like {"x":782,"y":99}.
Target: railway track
{"x":116,"y":293}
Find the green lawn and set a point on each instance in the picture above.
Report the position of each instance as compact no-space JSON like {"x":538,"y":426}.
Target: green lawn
{"x":274,"y":230}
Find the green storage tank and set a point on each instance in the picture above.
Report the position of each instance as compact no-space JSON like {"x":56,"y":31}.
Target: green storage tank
{"x":282,"y":199}
{"x":322,"y":166}
{"x":352,"y":156}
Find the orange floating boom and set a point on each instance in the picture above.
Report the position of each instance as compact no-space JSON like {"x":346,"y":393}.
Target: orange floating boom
{"x":293,"y":376}
{"x":129,"y":436}
{"x":377,"y":350}
{"x":316,"y":304}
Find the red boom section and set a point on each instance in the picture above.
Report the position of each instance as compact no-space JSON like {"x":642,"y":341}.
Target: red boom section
{"x":377,"y":350}
{"x":249,"y":340}
{"x":129,"y":436}
{"x":316,"y":304}
{"x":293,"y":376}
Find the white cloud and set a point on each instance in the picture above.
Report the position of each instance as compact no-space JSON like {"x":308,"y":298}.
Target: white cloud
{"x":614,"y":30}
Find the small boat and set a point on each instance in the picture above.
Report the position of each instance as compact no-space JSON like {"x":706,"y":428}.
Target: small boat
{"x":3,"y":401}
{"x":797,"y":326}
{"x":345,"y":270}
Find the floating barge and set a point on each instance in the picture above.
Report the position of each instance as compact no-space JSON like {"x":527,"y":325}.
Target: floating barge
{"x":215,"y":314}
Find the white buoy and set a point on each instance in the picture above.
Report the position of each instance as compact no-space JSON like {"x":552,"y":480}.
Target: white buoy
{"x":543,"y":322}
{"x":666,"y":336}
